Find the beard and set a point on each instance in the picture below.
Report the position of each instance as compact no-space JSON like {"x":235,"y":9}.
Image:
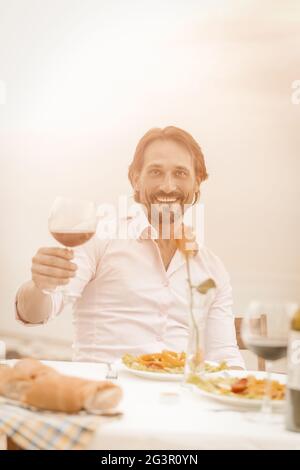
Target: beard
{"x":166,"y":210}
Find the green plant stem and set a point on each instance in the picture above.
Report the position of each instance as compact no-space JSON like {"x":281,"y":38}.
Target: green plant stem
{"x":191,"y":287}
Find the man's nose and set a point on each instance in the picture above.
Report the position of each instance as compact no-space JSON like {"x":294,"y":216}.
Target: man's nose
{"x":168,"y":185}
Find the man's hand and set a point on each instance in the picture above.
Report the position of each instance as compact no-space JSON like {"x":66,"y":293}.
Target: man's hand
{"x":51,"y":267}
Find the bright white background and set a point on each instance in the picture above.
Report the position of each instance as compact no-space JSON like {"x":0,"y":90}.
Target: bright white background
{"x":86,"y":79}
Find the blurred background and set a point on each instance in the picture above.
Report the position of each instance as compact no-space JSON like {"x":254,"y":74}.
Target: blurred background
{"x":82,"y":81}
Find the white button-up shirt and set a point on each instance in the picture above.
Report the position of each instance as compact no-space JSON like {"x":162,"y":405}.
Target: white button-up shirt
{"x":131,"y":304}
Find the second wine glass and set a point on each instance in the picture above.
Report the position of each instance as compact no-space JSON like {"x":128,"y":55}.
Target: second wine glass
{"x":265,"y":331}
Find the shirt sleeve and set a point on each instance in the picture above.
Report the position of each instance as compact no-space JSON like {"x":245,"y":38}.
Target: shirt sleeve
{"x":220,"y":334}
{"x":86,"y":257}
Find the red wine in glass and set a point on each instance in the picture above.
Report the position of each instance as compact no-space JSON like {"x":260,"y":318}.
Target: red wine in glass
{"x":268,"y":348}
{"x":71,"y":239}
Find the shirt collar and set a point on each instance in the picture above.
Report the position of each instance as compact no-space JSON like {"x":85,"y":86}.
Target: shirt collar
{"x":139,"y":226}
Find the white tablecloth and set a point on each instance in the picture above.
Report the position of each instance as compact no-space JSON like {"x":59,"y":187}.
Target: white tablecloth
{"x":186,"y":421}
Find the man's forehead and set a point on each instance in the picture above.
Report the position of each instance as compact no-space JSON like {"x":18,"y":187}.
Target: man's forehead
{"x":164,"y":152}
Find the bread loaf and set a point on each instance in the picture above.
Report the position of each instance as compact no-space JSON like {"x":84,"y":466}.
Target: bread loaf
{"x":35,"y":384}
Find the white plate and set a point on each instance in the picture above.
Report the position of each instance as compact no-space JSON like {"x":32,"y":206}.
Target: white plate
{"x":242,"y":402}
{"x":167,"y":376}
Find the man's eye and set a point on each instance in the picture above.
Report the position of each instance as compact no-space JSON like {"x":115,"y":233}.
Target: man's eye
{"x":154,"y":172}
{"x":181,"y":173}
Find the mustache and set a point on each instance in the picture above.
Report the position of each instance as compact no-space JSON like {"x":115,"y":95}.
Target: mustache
{"x":167,"y":196}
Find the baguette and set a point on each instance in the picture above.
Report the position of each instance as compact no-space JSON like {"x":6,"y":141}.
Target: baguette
{"x":35,"y":384}
{"x":71,"y":394}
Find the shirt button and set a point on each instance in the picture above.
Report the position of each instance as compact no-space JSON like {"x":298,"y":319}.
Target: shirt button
{"x":166,"y":283}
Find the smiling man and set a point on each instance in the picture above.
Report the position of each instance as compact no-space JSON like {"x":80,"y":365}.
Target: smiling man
{"x":133,"y":296}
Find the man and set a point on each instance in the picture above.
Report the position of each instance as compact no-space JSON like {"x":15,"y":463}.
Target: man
{"x":133,"y":292}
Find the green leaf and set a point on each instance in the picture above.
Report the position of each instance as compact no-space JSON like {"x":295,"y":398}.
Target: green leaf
{"x":205,"y":286}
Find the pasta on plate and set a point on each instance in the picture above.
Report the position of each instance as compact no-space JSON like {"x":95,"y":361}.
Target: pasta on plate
{"x":165,"y":362}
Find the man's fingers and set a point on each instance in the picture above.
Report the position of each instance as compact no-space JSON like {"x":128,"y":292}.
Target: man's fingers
{"x":52,"y":267}
{"x":63,"y":253}
{"x":54,"y":261}
{"x":52,"y":272}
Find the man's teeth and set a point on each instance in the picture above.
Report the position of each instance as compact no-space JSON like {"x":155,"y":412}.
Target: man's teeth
{"x":165,"y":200}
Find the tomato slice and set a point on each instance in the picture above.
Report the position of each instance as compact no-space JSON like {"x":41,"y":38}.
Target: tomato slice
{"x":239,"y":386}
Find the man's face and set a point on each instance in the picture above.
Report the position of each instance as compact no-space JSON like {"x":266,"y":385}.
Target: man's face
{"x":167,"y":180}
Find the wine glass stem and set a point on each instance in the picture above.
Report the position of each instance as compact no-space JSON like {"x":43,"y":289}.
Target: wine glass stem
{"x":267,"y":402}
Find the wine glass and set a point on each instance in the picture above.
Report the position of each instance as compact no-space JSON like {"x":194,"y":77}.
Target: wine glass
{"x":265,"y":330}
{"x":72,"y":223}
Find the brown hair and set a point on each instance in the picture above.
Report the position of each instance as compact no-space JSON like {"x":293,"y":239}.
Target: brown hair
{"x":171,"y":133}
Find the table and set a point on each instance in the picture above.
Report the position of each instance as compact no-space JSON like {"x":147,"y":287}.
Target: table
{"x":151,"y":420}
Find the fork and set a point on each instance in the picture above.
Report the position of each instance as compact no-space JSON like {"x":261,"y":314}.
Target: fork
{"x":112,"y":371}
